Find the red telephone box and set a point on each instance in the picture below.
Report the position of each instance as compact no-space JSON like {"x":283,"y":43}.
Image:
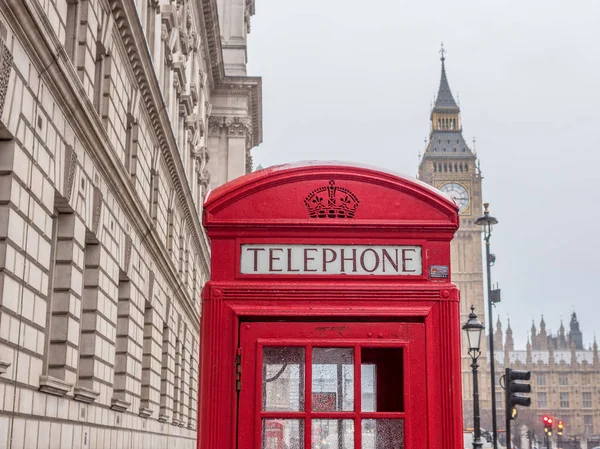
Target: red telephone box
{"x":330,"y":320}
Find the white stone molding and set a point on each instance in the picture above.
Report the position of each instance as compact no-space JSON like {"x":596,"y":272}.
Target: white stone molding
{"x":54,"y":386}
{"x":4,"y":366}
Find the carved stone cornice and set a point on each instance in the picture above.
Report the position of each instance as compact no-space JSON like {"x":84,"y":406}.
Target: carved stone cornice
{"x":36,"y":34}
{"x":209,"y":24}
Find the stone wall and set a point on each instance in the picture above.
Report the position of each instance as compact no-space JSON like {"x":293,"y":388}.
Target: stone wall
{"x":104,"y":164}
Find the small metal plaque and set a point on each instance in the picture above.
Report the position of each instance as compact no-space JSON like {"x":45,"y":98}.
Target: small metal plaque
{"x":438,"y":272}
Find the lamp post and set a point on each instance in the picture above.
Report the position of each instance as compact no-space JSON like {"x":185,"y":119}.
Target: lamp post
{"x":474,"y":328}
{"x":487,"y":222}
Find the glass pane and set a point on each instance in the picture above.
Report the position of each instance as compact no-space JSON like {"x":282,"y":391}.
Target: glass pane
{"x":332,"y":434}
{"x":283,"y":379}
{"x":332,"y":379}
{"x":282,"y":434}
{"x":382,"y":380}
{"x":382,"y":434}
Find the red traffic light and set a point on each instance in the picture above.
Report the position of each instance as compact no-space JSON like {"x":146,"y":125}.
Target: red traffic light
{"x":547,"y":419}
{"x":560,"y":424}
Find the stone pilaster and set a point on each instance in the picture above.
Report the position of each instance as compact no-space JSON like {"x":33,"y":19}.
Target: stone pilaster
{"x":98,"y":330}
{"x":167,"y":378}
{"x":151,"y":361}
{"x":128,"y":363}
{"x":65,"y":305}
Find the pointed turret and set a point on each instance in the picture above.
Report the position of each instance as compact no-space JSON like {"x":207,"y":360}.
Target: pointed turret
{"x":543,"y":337}
{"x":575,"y":334}
{"x":498,"y":336}
{"x":529,"y":359}
{"x":446,"y":142}
{"x":445,"y":100}
{"x":510,"y":344}
{"x":596,"y":358}
{"x":562,"y":339}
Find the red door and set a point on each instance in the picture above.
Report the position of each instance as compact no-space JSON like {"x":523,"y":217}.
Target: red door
{"x":332,"y":386}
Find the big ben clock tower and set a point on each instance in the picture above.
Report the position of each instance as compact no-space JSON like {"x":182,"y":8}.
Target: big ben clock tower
{"x":450,"y":165}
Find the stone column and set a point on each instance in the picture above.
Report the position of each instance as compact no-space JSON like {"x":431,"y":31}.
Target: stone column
{"x":229,"y":147}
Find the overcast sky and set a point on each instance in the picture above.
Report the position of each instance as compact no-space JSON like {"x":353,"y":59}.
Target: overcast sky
{"x":353,"y":80}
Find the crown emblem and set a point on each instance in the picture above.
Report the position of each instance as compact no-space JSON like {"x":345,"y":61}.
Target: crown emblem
{"x":331,"y":202}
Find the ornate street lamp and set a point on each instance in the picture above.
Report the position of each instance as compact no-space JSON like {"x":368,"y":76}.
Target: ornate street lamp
{"x":493,"y":296}
{"x":474,"y":328}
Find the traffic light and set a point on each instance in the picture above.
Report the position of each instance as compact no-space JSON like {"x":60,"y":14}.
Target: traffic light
{"x":515,"y":384}
{"x":548,"y":423}
{"x":559,"y":427}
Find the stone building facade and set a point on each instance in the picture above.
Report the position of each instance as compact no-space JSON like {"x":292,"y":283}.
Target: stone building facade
{"x":565,"y":379}
{"x":116,"y":116}
{"x":449,"y":164}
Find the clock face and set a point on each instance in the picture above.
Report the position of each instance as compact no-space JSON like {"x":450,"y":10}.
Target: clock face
{"x":458,"y":193}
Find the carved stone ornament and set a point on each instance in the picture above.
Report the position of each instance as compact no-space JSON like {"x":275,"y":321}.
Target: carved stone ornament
{"x":150,"y":287}
{"x":97,"y":209}
{"x":163,"y":417}
{"x":235,"y":126}
{"x":239,"y":126}
{"x":127,"y":255}
{"x":249,"y":161}
{"x":70,"y":166}
{"x":194,"y":94}
{"x":86,"y":395}
{"x":331,"y":201}
{"x":6,"y":60}
{"x":52,"y":385}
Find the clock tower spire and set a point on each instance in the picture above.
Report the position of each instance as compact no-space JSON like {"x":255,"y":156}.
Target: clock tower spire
{"x":450,"y":165}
